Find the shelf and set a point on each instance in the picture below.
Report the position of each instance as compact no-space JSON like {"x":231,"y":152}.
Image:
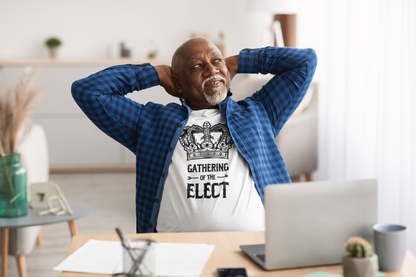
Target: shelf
{"x":93,"y":169}
{"x":79,"y":62}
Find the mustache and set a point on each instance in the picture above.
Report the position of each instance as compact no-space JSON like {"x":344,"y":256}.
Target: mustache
{"x":210,"y":78}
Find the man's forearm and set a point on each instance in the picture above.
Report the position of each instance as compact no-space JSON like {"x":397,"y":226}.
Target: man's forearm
{"x":120,"y":80}
{"x":94,"y":92}
{"x":293,"y":69}
{"x":101,"y":98}
{"x":277,"y":60}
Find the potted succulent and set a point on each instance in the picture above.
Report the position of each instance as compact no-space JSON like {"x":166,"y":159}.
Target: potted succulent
{"x":53,"y":43}
{"x":359,"y":261}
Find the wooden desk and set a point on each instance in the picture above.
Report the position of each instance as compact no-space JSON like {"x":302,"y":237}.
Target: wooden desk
{"x":227,"y":253}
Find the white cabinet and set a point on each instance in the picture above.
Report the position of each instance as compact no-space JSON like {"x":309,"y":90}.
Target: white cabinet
{"x":72,"y":139}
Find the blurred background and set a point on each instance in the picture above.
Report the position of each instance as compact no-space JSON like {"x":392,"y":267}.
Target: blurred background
{"x":366,"y":123}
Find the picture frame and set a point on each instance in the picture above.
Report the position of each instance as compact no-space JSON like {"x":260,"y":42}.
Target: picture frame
{"x":49,"y":195}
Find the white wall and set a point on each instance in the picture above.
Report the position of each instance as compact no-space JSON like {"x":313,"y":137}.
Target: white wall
{"x":88,"y":27}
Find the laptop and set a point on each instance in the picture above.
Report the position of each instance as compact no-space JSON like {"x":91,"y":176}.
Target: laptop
{"x":309,"y":223}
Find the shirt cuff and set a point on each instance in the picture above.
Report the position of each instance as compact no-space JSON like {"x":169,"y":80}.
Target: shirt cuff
{"x":248,"y":60}
{"x":147,"y":76}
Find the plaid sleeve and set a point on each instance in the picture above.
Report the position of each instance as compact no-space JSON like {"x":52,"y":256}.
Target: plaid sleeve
{"x":101,"y":97}
{"x":293,"y":69}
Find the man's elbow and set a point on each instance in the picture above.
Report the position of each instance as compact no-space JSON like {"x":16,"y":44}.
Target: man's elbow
{"x":76,"y":89}
{"x":311,"y":60}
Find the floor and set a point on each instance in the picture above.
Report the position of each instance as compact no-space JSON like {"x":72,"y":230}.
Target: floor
{"x":110,"y":196}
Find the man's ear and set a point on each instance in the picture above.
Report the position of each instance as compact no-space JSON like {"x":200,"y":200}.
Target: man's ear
{"x":176,"y":85}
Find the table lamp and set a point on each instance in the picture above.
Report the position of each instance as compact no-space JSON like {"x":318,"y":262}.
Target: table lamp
{"x":283,"y":13}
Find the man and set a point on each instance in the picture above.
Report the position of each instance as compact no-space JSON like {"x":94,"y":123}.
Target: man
{"x":201,"y":165}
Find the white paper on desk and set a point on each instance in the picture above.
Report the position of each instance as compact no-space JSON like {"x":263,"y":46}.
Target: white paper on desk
{"x":181,"y":259}
{"x":95,"y":256}
{"x":105,"y":257}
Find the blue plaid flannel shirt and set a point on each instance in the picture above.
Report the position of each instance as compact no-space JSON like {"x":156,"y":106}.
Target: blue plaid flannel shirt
{"x":151,"y":131}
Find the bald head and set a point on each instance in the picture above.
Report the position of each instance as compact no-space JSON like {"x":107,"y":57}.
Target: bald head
{"x":181,"y":56}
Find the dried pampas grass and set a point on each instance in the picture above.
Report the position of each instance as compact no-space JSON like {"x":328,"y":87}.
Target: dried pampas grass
{"x":15,"y":107}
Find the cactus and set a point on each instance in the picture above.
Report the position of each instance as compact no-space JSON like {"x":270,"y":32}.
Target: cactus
{"x":358,"y":247}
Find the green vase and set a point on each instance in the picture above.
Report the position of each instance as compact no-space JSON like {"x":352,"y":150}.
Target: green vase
{"x":13,"y":192}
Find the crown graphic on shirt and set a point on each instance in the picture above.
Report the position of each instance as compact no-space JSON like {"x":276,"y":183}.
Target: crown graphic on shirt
{"x":206,"y":142}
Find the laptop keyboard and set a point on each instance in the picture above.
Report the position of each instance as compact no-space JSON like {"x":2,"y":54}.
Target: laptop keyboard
{"x":260,"y":256}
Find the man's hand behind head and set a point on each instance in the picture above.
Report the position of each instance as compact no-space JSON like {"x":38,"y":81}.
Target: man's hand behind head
{"x":165,"y":76}
{"x":232,"y":65}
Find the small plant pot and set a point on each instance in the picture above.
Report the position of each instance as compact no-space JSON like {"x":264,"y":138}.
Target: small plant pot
{"x":53,"y":52}
{"x":360,"y":267}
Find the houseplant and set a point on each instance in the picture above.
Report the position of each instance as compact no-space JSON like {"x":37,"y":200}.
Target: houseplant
{"x":359,"y":261}
{"x":53,"y":43}
{"x":15,"y":105}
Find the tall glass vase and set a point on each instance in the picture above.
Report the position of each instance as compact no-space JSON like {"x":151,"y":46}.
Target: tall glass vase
{"x":13,"y":192}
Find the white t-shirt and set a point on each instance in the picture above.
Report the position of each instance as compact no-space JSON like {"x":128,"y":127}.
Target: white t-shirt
{"x":209,"y":186}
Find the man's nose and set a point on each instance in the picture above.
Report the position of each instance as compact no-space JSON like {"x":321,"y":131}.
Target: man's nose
{"x":211,"y":69}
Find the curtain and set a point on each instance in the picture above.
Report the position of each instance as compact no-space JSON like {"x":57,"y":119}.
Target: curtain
{"x":368,"y":101}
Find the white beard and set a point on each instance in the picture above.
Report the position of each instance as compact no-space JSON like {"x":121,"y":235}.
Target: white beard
{"x":218,"y":95}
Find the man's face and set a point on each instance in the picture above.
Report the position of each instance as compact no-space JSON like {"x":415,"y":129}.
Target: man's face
{"x":203,"y":77}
